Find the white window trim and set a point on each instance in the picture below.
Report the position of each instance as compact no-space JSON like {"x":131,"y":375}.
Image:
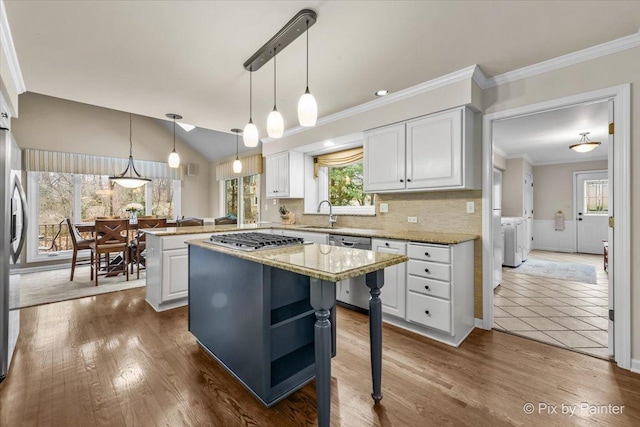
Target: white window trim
{"x":323,"y":194}
{"x":223,"y":198}
{"x":33,"y":196}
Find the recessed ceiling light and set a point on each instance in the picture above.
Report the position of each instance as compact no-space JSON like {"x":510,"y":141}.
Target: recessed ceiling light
{"x":381,"y":92}
{"x":186,"y":127}
{"x":329,"y":144}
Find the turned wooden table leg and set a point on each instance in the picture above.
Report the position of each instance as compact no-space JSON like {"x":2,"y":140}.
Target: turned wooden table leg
{"x":323,"y":298}
{"x":375,"y":281}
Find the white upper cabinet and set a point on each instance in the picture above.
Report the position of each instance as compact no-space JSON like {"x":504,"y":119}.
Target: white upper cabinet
{"x":434,"y":152}
{"x":384,"y":158}
{"x":285,"y":175}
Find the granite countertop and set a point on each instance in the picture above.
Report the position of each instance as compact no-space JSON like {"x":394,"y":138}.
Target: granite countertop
{"x":442,"y":238}
{"x":331,"y":263}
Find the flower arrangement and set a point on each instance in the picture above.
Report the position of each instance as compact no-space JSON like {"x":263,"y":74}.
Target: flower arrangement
{"x":134,"y":208}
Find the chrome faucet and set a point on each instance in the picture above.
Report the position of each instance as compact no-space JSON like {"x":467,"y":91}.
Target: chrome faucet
{"x":332,"y":218}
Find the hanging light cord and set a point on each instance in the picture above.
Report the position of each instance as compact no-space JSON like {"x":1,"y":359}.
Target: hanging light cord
{"x":174,"y":133}
{"x":237,"y":145}
{"x":307,"y":55}
{"x":250,"y":95}
{"x":275,"y":70}
{"x":130,"y":138}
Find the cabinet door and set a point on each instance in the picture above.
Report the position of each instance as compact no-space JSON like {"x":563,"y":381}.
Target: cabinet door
{"x":393,"y":292}
{"x":272,"y":176}
{"x":434,"y":151}
{"x":384,"y":158}
{"x":175,"y":274}
{"x":282,"y":185}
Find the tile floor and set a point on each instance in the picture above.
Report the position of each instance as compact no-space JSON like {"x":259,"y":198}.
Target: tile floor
{"x":559,"y":312}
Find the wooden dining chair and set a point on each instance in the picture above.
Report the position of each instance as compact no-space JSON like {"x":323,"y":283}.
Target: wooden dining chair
{"x":112,"y":236}
{"x":140,"y":241}
{"x":189,"y":221}
{"x":78,"y":243}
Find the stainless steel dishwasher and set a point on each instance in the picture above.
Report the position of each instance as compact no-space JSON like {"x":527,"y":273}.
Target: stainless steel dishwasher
{"x":352,"y":293}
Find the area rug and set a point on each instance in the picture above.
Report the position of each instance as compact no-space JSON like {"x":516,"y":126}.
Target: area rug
{"x":52,"y":286}
{"x":558,"y":270}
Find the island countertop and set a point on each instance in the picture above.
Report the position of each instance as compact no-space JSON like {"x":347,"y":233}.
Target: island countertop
{"x":324,"y":262}
{"x":442,"y":238}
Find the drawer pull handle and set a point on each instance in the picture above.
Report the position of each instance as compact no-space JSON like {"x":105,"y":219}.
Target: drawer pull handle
{"x":408,"y":180}
{"x":426,"y":287}
{"x":426,"y":270}
{"x":402,"y":180}
{"x":386,"y":244}
{"x":427,"y":312}
{"x":426,"y":254}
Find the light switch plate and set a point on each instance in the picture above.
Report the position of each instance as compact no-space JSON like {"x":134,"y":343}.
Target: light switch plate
{"x":412,"y":219}
{"x":384,"y":207}
{"x":471,"y":207}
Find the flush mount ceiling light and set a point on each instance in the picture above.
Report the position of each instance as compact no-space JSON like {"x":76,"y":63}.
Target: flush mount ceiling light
{"x":275,"y":123}
{"x":307,"y":107}
{"x":174,"y":158}
{"x":381,"y":92}
{"x":250,"y":136}
{"x":585,"y":144}
{"x":127,"y":178}
{"x":237,"y":164}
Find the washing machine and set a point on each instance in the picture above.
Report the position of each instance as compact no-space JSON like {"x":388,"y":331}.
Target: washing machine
{"x":514,"y":235}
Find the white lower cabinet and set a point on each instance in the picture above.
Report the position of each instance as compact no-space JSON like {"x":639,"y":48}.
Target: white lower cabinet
{"x":435,"y":296}
{"x":393,"y":293}
{"x":168,"y":270}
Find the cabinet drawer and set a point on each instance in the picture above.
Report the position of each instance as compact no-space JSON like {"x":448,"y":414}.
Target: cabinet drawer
{"x":430,"y":270}
{"x":430,"y":287}
{"x":430,"y":253}
{"x":432,"y":312}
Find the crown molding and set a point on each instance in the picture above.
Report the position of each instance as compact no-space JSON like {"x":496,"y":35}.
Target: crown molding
{"x":499,"y":151}
{"x":566,"y":162}
{"x":470,"y":72}
{"x":9,"y":50}
{"x":593,"y":52}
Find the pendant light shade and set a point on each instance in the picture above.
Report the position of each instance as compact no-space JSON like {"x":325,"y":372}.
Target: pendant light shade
{"x":130,"y":178}
{"x":250,"y":136}
{"x":275,"y":123}
{"x":174,"y":158}
{"x":237,"y":164}
{"x":585,"y":144}
{"x":307,"y":106}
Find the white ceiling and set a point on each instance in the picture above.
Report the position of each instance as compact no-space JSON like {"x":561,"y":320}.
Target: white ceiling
{"x":154,"y":57}
{"x":544,"y":138}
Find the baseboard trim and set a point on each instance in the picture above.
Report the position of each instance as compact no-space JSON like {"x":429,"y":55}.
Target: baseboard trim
{"x":40,"y":268}
{"x":635,"y":366}
{"x":478,"y":324}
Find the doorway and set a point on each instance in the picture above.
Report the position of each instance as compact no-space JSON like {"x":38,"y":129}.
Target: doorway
{"x":591,"y":203}
{"x":619,"y":242}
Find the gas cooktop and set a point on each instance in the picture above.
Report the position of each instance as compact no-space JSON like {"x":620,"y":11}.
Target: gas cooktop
{"x":253,"y":241}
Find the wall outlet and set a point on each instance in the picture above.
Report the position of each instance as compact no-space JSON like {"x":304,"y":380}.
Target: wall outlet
{"x":412,"y":219}
{"x":471,"y":207}
{"x":384,"y":207}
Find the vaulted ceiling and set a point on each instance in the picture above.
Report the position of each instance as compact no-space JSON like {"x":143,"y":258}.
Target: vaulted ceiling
{"x":156,"y":57}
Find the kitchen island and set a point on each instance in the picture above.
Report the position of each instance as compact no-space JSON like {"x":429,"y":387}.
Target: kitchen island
{"x":265,"y":315}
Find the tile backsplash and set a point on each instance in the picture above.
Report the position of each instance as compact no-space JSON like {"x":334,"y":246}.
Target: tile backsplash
{"x":436,"y":211}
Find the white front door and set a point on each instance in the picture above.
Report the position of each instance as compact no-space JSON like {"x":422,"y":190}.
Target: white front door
{"x":591,"y":211}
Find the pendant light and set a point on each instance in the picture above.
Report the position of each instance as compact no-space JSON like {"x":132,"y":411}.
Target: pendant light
{"x":130,"y":180}
{"x":250,"y":135}
{"x":237,"y":164}
{"x":275,"y":123}
{"x":174,"y":158}
{"x":307,"y":106}
{"x":585,"y":144}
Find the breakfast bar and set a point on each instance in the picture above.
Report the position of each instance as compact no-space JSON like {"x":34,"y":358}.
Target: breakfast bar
{"x":267,"y":315}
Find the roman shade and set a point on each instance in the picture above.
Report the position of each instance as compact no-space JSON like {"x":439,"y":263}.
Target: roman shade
{"x":337,"y":159}
{"x":250,"y":166}
{"x":60,"y":162}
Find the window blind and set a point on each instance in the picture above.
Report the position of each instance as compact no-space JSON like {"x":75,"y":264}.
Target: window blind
{"x":61,"y":162}
{"x":250,"y":166}
{"x":337,"y":159}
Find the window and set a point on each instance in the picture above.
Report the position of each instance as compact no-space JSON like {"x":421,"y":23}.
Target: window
{"x":596,"y":197}
{"x":82,"y":198}
{"x":241,"y":198}
{"x":346,"y":186}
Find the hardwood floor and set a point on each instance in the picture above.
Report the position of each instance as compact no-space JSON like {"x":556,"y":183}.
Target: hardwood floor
{"x":112,"y":360}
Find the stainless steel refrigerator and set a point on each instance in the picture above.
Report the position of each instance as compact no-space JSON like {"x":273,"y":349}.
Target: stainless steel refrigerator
{"x":13,"y":204}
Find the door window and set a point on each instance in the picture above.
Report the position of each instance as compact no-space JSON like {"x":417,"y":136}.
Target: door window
{"x":596,"y":197}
